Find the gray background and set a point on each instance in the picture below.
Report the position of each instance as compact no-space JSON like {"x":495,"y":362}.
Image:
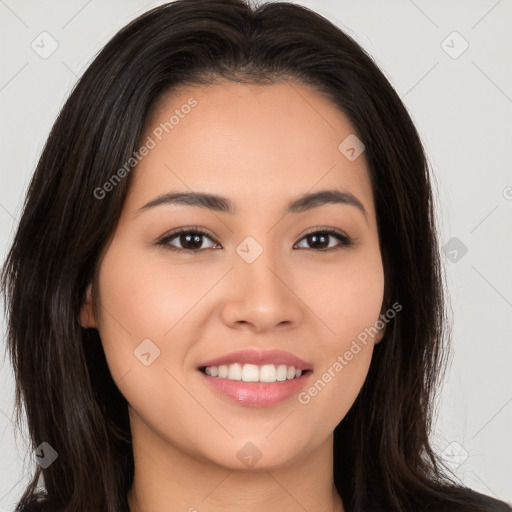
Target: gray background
{"x":461,"y":102}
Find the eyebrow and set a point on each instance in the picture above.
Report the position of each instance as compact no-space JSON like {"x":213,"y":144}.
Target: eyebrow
{"x":224,"y":205}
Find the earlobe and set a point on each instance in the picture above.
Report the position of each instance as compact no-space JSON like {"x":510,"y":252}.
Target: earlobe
{"x":379,"y":335}
{"x":87,"y":319}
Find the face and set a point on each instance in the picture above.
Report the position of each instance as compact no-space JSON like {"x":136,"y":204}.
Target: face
{"x":271,"y":285}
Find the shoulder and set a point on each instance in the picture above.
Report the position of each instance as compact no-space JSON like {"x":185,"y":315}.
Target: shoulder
{"x":468,"y":500}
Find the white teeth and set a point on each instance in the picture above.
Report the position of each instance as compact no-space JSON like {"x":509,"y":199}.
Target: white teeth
{"x":234,"y":372}
{"x":254,"y":373}
{"x":250,"y":373}
{"x":281,"y":372}
{"x":268,"y":373}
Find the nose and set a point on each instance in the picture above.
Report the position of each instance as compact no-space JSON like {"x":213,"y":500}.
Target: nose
{"x":261,"y":295}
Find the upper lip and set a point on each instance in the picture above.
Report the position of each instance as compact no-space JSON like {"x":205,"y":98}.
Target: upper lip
{"x":259,"y":357}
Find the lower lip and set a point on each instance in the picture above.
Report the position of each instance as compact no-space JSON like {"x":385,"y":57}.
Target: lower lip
{"x":257,"y":394}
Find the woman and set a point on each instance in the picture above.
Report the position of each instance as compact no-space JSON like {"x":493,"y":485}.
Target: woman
{"x":289,"y":363}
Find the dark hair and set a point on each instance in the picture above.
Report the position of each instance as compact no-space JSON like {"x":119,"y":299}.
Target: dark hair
{"x":382,"y":457}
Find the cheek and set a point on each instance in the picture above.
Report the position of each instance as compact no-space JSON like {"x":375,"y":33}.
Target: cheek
{"x":143,"y":298}
{"x":349,"y":303}
{"x":345,"y":361}
{"x":144,"y":307}
{"x":134,"y":308}
{"x":347,"y":298}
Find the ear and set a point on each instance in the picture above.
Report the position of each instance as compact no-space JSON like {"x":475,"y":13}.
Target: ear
{"x":87,"y":319}
{"x":379,"y":335}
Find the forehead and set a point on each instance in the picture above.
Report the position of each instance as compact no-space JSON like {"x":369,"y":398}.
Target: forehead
{"x":259,"y":144}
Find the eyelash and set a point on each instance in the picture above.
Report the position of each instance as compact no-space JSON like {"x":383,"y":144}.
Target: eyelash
{"x":345,"y":240}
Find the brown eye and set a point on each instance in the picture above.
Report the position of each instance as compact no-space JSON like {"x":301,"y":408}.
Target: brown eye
{"x":190,"y":240}
{"x":320,"y":240}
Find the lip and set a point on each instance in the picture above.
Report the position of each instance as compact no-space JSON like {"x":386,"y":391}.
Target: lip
{"x":256,"y":394}
{"x":259,"y":357}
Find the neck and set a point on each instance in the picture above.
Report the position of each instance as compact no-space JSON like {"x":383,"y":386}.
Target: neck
{"x":166,"y":480}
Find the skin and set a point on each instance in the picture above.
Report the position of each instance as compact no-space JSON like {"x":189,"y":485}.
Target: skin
{"x":259,"y":146}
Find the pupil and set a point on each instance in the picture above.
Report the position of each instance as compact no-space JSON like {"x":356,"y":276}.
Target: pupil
{"x":196,"y":239}
{"x":313,"y":239}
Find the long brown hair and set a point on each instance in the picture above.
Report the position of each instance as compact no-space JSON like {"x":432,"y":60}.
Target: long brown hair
{"x":382,"y":457}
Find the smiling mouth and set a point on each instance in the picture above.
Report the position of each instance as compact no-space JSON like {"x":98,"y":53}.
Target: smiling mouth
{"x":267,"y":373}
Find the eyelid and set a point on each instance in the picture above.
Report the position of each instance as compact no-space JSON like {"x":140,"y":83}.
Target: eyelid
{"x":323,"y":229}
{"x":188,"y":229}
{"x":345,"y":241}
